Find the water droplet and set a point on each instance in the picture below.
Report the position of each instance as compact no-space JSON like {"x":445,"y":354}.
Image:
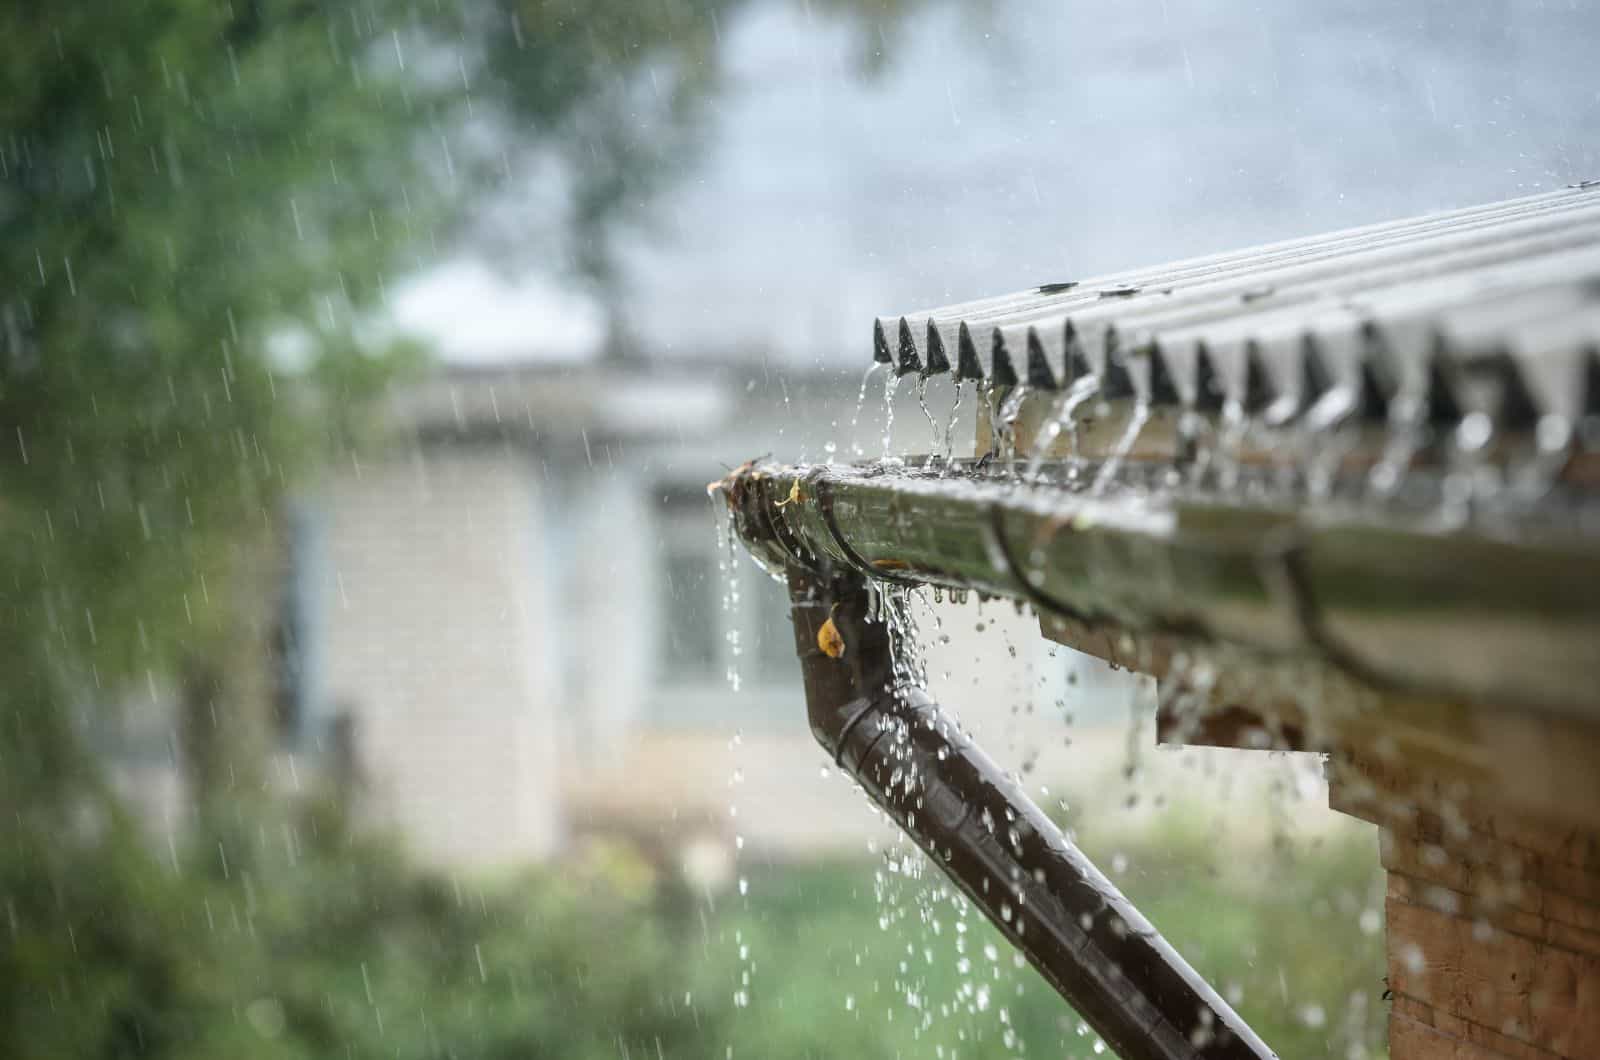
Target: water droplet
{"x":1474,"y":431}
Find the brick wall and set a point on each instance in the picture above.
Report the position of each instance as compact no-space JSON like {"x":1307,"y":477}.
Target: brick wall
{"x":1493,"y":920}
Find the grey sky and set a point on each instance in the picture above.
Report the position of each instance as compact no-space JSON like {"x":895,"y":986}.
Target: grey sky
{"x":1040,"y":140}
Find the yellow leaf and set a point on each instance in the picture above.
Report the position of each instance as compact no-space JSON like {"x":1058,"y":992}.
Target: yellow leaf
{"x":829,"y":640}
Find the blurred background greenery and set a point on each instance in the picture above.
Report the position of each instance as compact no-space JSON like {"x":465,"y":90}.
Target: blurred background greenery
{"x":342,"y":949}
{"x":203,"y":205}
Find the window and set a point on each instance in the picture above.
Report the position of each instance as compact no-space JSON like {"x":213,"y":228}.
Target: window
{"x":296,"y":637}
{"x":689,"y":612}
{"x":705,"y":629}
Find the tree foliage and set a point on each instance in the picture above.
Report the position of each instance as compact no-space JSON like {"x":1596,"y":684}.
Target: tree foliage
{"x":313,"y":943}
{"x":182,"y":180}
{"x":191,"y":191}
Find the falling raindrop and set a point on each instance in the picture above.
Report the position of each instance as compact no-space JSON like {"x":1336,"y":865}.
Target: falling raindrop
{"x":950,"y":425}
{"x":891,"y":383}
{"x":1062,"y":417}
{"x":1119,"y":453}
{"x":861,"y":401}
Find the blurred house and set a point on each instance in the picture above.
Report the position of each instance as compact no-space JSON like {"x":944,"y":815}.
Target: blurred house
{"x":519,"y":626}
{"x":486,"y":613}
{"x":516,"y":625}
{"x":524,"y":625}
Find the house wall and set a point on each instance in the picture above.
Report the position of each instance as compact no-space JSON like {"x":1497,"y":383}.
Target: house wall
{"x":604,"y":610}
{"x":1493,"y":911}
{"x":507,"y":623}
{"x":431,"y":641}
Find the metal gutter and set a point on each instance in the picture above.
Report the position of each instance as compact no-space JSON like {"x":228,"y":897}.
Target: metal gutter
{"x":978,"y":826}
{"x":1373,"y":452}
{"x":1395,"y":603}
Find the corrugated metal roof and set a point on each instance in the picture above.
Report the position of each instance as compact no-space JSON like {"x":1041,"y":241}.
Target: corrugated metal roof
{"x":1494,"y":309}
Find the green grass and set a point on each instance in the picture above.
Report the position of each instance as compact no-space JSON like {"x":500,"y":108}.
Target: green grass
{"x":851,"y":960}
{"x":108,"y":951}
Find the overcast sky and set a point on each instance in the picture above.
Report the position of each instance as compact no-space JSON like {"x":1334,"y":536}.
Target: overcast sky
{"x":1046,"y":140}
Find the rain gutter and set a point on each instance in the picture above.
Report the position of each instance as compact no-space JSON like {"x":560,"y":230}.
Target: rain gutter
{"x":977,"y":825}
{"x":1398,"y":604}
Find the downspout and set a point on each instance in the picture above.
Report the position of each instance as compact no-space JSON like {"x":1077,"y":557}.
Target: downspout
{"x":979,"y":827}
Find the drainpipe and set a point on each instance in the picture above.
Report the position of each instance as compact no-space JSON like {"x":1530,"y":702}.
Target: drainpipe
{"x":978,"y":826}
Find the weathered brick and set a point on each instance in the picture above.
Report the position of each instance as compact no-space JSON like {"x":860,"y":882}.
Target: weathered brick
{"x":1411,"y":1040}
{"x":1510,"y":986}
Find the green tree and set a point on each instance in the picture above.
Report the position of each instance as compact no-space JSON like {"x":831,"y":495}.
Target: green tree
{"x":180,"y":180}
{"x":185,"y":187}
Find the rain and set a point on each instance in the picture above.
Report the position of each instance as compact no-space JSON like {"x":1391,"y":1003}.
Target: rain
{"x":534,"y":528}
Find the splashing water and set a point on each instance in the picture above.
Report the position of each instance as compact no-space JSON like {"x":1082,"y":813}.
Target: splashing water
{"x":988,"y":395}
{"x":1061,"y":418}
{"x":1321,"y":453}
{"x":1406,"y":438}
{"x":891,"y":383}
{"x":923,"y":920}
{"x":747,"y":967}
{"x":1471,"y":478}
{"x":1231,"y":438}
{"x":728,"y":569}
{"x":1554,"y":436}
{"x":1005,"y":425}
{"x":1124,"y":446}
{"x":861,"y":401}
{"x":920,"y":388}
{"x":950,"y":428}
{"x":1010,"y":409}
